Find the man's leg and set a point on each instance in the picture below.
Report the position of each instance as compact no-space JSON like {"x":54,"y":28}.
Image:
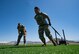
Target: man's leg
{"x":24,"y":39}
{"x":41,"y":35}
{"x":19,"y":37}
{"x":47,"y":32}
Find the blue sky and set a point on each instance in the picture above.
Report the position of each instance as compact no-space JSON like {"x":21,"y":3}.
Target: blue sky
{"x":64,"y":14}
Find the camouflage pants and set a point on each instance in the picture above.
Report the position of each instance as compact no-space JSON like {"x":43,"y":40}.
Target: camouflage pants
{"x":19,"y":38}
{"x":41,"y":31}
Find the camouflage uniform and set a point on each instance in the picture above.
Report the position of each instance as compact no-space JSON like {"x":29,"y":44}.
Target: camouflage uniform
{"x":21,"y":32}
{"x":43,"y":27}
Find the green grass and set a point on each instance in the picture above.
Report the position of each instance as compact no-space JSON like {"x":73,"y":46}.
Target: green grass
{"x":37,"y":49}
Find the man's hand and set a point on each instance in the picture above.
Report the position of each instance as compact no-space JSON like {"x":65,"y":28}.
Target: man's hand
{"x":50,"y":24}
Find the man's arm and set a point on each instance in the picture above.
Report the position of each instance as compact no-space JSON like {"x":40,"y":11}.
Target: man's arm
{"x":47,"y":19}
{"x":18,"y":27}
{"x":18,"y":32}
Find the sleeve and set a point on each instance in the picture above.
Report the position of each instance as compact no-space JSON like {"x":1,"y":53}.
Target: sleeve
{"x":45,"y":15}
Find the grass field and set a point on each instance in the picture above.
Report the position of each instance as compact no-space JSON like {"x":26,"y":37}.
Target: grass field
{"x":38,"y":49}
